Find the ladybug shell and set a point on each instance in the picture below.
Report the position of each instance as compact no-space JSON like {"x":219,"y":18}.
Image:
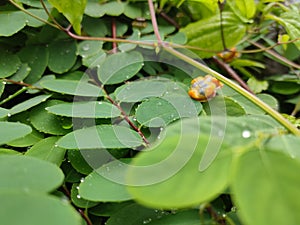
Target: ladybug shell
{"x":204,"y":88}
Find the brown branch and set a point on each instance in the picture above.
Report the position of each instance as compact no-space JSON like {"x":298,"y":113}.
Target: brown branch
{"x":232,"y":73}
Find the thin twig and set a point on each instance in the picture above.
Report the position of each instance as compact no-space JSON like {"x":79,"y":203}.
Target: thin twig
{"x":127,"y":119}
{"x":114,"y":35}
{"x":154,"y":22}
{"x":276,"y":55}
{"x":269,"y":47}
{"x":221,"y":7}
{"x":215,"y":216}
{"x":232,"y":73}
{"x":169,"y":20}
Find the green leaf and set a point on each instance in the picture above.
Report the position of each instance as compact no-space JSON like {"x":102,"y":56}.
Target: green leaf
{"x":206,"y":33}
{"x":72,"y":10}
{"x":11,"y":23}
{"x":96,"y":187}
{"x":90,"y":109}
{"x":186,"y":217}
{"x":10,"y":131}
{"x":72,"y":87}
{"x":97,"y":9}
{"x":269,"y":184}
{"x":62,"y":55}
{"x":245,"y":8}
{"x":287,"y":144}
{"x":2,"y":86}
{"x":9,"y":63}
{"x":166,"y":110}
{"x":285,"y":88}
{"x":35,"y":3}
{"x":162,"y":113}
{"x":250,"y":107}
{"x":108,"y":208}
{"x":31,"y":209}
{"x":47,"y":150}
{"x":89,"y":48}
{"x":101,"y":136}
{"x":28,"y":140}
{"x":82,"y":161}
{"x":133,"y":214}
{"x":3,"y":112}
{"x":136,"y":91}
{"x":22,"y":73}
{"x":78,"y":200}
{"x":47,"y":122}
{"x":37,"y":58}
{"x":290,"y":21}
{"x":25,"y":105}
{"x":232,"y":107}
{"x":173,"y":164}
{"x":120,"y":67}
{"x":257,"y":86}
{"x":26,"y":174}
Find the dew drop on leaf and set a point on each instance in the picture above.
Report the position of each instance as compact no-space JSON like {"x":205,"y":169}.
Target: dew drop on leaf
{"x":78,"y":196}
{"x":246,"y":134}
{"x":82,"y":179}
{"x":147,"y":221}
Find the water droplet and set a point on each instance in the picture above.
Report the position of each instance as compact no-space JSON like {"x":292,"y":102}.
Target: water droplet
{"x":55,"y":145}
{"x":146,"y":221}
{"x":26,"y":21}
{"x":78,"y":196}
{"x":77,"y":187}
{"x":86,"y":47}
{"x":233,"y":209}
{"x":134,"y":119}
{"x":100,"y":103}
{"x":82,"y":179}
{"x":246,"y":134}
{"x":161,"y":128}
{"x":158,"y":137}
{"x":8,"y":114}
{"x":3,"y":82}
{"x":220,"y":133}
{"x":223,"y":215}
{"x":159,"y":103}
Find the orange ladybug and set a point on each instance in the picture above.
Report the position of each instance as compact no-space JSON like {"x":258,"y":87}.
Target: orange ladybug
{"x":204,"y":88}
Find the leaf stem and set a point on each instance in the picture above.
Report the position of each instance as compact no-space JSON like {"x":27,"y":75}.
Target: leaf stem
{"x":276,"y":115}
{"x":14,"y":95}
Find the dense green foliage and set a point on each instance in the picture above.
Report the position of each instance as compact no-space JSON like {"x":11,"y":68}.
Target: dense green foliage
{"x":97,"y":126}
